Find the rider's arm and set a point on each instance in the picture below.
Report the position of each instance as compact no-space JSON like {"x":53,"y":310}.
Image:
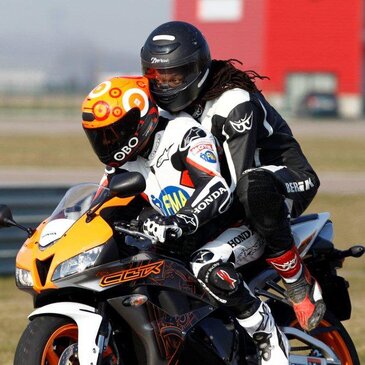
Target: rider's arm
{"x":240,"y":132}
{"x":201,"y":170}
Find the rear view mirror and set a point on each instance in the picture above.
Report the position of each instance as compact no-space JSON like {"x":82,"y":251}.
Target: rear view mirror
{"x":127,"y":184}
{"x":6,"y":217}
{"x":6,"y":220}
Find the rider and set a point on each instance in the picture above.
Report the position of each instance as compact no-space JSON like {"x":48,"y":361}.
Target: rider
{"x":272,"y":178}
{"x":180,"y":163}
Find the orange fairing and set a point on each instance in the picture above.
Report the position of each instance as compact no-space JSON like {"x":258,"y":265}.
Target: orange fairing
{"x":80,"y":237}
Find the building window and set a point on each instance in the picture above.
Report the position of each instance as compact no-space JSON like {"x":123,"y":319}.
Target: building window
{"x":220,"y":10}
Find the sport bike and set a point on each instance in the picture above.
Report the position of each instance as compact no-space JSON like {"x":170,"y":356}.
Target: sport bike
{"x":104,"y":295}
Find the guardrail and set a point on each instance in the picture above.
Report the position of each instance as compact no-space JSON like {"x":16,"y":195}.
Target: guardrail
{"x":30,"y":206}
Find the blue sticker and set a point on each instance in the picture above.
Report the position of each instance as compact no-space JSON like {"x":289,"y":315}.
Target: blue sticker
{"x":171,"y":200}
{"x":208,"y":156}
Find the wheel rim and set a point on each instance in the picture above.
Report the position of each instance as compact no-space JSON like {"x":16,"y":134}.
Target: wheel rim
{"x":61,"y":338}
{"x":334,"y":340}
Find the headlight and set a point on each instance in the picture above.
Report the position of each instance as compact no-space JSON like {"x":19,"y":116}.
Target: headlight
{"x":77,"y":263}
{"x":23,"y":277}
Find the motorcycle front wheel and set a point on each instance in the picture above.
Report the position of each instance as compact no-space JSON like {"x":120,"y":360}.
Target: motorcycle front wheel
{"x":333,"y":334}
{"x":46,"y":338}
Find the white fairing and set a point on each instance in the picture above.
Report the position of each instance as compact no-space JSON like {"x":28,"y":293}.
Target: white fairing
{"x":305,"y":232}
{"x":245,"y":244}
{"x":54,"y":230}
{"x":88,"y":324}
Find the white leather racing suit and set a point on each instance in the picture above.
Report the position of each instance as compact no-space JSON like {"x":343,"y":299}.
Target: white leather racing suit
{"x":183,"y":178}
{"x":182,"y":172}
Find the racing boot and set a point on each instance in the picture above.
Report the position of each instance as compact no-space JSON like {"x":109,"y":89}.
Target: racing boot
{"x":272,"y":344}
{"x":302,"y":289}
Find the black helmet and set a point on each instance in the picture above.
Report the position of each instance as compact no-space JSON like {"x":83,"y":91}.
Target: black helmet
{"x":176,"y":59}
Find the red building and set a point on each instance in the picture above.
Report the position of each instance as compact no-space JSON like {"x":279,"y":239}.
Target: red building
{"x":302,"y":45}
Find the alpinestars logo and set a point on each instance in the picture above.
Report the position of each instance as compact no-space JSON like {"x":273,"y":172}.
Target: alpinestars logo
{"x":226,"y":277}
{"x":188,"y":220}
{"x":243,"y":125}
{"x":164,"y":157}
{"x":193,"y":134}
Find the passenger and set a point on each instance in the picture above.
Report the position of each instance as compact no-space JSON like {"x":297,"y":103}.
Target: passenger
{"x":268,"y":171}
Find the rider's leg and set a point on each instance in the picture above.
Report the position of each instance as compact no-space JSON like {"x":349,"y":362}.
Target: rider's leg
{"x":263,"y":196}
{"x":226,"y":287}
{"x":302,"y":289}
{"x":272,"y":344}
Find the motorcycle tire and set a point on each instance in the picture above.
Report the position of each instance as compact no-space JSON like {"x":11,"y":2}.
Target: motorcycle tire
{"x":337,"y":338}
{"x":45,"y":339}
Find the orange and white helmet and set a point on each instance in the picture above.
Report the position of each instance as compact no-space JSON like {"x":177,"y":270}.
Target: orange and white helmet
{"x":118,"y":117}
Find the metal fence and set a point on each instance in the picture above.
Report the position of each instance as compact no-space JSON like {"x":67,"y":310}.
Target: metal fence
{"x":30,"y":206}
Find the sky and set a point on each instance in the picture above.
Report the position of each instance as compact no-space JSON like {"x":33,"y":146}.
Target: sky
{"x":65,"y":37}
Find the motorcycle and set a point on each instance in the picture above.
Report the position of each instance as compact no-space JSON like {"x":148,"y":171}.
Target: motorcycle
{"x":103,"y":294}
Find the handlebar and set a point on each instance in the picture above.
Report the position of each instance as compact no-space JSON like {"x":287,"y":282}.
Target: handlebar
{"x":354,"y":251}
{"x":132,"y":230}
{"x":136,"y":234}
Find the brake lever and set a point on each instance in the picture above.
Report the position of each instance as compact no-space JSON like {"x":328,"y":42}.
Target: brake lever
{"x":137,"y":234}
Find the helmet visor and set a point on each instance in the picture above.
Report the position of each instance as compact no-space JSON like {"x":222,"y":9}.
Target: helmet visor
{"x":115,"y":142}
{"x":171,"y":80}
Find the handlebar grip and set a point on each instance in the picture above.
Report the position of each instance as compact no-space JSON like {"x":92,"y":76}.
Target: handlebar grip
{"x":357,"y":251}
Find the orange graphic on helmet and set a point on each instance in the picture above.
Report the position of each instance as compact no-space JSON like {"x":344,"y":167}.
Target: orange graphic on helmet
{"x":115,"y":92}
{"x":119,"y":116}
{"x":101,"y":110}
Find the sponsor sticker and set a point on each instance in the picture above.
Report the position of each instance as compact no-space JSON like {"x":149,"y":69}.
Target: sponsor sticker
{"x":201,"y":147}
{"x":131,"y":274}
{"x":170,"y":200}
{"x":208,"y":156}
{"x":299,"y":186}
{"x":243,"y":124}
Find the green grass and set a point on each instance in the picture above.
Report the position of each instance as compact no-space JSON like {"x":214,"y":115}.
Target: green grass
{"x":47,"y":151}
{"x":348,"y":216}
{"x":14,"y":308}
{"x":335,"y":154}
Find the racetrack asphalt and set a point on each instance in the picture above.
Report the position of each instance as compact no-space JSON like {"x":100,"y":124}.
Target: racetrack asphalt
{"x":331,"y":182}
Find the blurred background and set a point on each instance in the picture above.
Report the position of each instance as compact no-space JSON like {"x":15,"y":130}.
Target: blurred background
{"x":52,"y":53}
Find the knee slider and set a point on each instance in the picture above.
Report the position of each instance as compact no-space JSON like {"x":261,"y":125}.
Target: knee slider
{"x":221,"y":278}
{"x":223,"y":282}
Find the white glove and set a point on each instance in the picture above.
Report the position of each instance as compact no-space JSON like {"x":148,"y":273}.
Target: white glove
{"x":161,"y":227}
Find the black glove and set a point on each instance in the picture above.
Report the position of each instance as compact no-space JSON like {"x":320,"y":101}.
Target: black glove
{"x":161,"y":227}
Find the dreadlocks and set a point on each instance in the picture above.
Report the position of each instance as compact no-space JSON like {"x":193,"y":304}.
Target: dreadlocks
{"x":225,"y":76}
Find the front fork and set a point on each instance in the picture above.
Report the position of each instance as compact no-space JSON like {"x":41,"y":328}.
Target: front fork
{"x":93,"y":328}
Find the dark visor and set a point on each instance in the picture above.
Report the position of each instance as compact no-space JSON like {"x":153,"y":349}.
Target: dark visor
{"x":171,"y":78}
{"x":109,"y":139}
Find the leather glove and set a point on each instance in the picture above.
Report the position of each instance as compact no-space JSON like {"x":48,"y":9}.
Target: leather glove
{"x":161,"y":227}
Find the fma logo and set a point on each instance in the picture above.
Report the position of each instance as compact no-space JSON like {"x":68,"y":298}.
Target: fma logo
{"x":171,"y":199}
